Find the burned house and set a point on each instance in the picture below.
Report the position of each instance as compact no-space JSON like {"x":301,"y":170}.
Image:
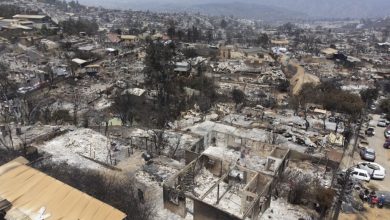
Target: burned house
{"x":227,"y":176}
{"x":225,"y":52}
{"x":93,"y":69}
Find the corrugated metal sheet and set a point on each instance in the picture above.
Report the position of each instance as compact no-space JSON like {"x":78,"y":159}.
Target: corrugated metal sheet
{"x":33,"y":194}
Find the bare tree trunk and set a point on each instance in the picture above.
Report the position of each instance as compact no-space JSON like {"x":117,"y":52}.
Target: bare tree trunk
{"x":307,"y":124}
{"x":106,"y":129}
{"x":10,"y":137}
{"x":337,"y":125}
{"x":324,"y":120}
{"x":177,"y":147}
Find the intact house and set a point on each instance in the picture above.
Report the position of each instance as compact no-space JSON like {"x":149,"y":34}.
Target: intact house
{"x":182,"y":67}
{"x":38,"y":20}
{"x":128,"y":40}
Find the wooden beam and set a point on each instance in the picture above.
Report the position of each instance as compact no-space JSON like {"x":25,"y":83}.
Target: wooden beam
{"x":224,"y":193}
{"x":246,"y":213}
{"x":251,"y":206}
{"x":215,"y":185}
{"x":220,"y":179}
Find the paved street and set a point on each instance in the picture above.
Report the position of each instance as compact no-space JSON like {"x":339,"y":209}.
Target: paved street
{"x":383,"y":158}
{"x":382,"y":154}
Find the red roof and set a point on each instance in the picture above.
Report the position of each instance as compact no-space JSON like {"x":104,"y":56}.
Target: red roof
{"x":113,"y":38}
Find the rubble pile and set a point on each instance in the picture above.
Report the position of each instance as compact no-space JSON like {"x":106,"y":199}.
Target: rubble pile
{"x":154,"y":174}
{"x":70,"y":147}
{"x":204,"y":180}
{"x":281,"y":209}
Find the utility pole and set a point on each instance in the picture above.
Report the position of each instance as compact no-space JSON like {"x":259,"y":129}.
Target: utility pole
{"x":347,"y":175}
{"x":357,"y":136}
{"x":341,"y":196}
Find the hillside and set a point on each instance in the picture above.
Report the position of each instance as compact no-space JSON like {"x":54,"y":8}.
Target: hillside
{"x":264,"y":9}
{"x":253,"y":11}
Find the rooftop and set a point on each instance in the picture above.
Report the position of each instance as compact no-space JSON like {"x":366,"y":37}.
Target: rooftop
{"x":35,"y":195}
{"x":79,"y":61}
{"x":135,"y":91}
{"x":329,"y":51}
{"x":22,"y":16}
{"x":128,"y":37}
{"x":280,"y":42}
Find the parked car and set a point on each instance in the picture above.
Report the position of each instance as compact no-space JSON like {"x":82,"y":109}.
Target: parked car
{"x":24,"y":90}
{"x":386,"y":144}
{"x":375,"y":170}
{"x":387,"y":133}
{"x":360,"y":174}
{"x":370,"y":131}
{"x":382,"y":123}
{"x":367,"y":154}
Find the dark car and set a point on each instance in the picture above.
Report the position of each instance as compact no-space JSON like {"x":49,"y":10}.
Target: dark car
{"x":386,"y":144}
{"x":370,"y":131}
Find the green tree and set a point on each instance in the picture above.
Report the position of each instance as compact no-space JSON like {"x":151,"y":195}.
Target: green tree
{"x":344,"y":102}
{"x":287,"y":28}
{"x":61,"y":115}
{"x":209,"y":36}
{"x":263,"y":40}
{"x":333,"y":98}
{"x":159,"y":63}
{"x":8,"y":10}
{"x":224,"y":24}
{"x":369,"y":95}
{"x":124,"y":107}
{"x":385,"y":107}
{"x":171,"y":30}
{"x":74,"y":27}
{"x":180,"y":35}
{"x":159,"y":74}
{"x":7,"y":86}
{"x":307,"y":95}
{"x":238,"y":96}
{"x":283,"y":85}
{"x":189,"y":53}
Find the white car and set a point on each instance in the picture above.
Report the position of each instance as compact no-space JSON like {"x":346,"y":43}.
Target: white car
{"x":382,"y":123}
{"x":375,"y":170}
{"x":360,"y":174}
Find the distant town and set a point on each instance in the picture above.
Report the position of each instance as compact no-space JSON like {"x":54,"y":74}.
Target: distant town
{"x":122,"y":114}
